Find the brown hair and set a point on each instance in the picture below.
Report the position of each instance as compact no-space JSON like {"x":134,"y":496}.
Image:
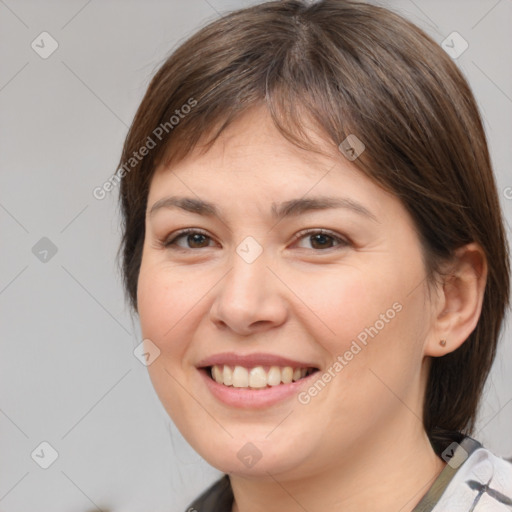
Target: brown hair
{"x":348,"y":68}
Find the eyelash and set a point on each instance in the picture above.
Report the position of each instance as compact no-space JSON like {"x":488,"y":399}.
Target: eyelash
{"x":170,"y":242}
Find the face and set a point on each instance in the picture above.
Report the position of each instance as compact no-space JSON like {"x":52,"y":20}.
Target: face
{"x":285,"y":292}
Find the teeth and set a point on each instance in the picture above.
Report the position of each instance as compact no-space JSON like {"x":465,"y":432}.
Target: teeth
{"x":274,"y":376}
{"x":227,"y":375}
{"x":217,"y":375}
{"x":287,"y":375}
{"x":257,"y":377}
{"x":240,"y":377}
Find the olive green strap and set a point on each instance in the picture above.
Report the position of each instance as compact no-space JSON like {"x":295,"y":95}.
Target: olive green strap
{"x":466,"y":447}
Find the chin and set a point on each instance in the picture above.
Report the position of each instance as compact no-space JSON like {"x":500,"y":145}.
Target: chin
{"x":256,"y":458}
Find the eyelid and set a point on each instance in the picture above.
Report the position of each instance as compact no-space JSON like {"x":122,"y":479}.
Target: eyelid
{"x":341,"y":239}
{"x":171,"y":239}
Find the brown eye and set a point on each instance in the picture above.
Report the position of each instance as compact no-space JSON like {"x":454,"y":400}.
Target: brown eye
{"x":320,"y":240}
{"x":197,"y":240}
{"x":189,"y":239}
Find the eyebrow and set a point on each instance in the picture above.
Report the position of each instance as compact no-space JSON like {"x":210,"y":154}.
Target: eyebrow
{"x":291,"y":208}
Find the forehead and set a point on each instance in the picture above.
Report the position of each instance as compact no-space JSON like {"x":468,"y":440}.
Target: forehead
{"x":253,"y":164}
{"x":251,"y":137}
{"x":252,"y":144}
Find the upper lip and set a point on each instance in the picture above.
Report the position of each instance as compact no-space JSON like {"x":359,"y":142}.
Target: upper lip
{"x":251,"y":360}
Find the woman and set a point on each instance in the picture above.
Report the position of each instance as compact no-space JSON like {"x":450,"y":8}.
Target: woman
{"x":314,"y":246}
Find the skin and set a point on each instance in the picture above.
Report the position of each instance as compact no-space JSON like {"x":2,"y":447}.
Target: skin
{"x":359,"y":441}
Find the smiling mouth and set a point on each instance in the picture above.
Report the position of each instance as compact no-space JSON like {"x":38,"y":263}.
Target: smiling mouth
{"x":257,"y":377}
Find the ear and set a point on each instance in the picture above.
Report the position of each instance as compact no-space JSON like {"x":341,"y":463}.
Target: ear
{"x":460,"y":298}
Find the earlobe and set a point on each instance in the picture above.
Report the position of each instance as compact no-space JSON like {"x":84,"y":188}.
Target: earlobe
{"x":462,"y":293}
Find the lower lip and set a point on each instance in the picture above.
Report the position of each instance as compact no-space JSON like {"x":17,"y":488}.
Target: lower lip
{"x":248,"y":398}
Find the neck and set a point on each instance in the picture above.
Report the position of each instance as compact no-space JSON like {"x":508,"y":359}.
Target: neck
{"x":393,"y":471}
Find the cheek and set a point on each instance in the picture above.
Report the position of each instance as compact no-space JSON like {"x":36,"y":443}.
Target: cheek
{"x":346,"y":304}
{"x":369,"y":318}
{"x":153,"y":304}
{"x":165,"y":310}
{"x":375,"y":353}
{"x":163,"y":303}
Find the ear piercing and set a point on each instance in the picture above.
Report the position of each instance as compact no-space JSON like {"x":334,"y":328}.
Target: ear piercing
{"x":442,"y":343}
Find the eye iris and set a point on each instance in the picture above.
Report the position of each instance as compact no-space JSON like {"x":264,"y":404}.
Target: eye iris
{"x":196,"y":240}
{"x":324,"y":241}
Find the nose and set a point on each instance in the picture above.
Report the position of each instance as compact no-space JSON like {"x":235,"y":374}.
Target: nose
{"x":249,"y":299}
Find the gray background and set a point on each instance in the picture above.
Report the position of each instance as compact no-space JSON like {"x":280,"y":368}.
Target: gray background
{"x":68,"y":375}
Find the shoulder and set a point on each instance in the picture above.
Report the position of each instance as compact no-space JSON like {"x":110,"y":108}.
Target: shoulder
{"x":217,"y":498}
{"x":482,"y":483}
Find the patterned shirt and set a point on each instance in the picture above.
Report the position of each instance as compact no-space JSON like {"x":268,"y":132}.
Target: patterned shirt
{"x":474,"y":480}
